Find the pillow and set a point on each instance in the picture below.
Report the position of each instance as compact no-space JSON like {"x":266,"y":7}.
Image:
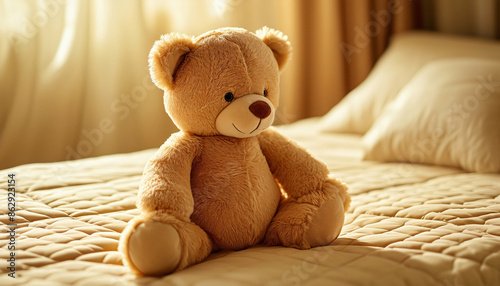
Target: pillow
{"x":448,"y":114}
{"x":407,"y":53}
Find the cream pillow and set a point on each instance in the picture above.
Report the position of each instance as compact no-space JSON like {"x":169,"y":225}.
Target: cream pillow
{"x":448,"y":114}
{"x":407,"y":53}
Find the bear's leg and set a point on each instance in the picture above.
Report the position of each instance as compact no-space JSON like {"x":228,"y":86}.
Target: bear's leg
{"x":161,"y":244}
{"x":303,"y":225}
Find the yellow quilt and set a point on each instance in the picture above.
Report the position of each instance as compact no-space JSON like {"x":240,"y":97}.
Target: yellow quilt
{"x":408,"y":225}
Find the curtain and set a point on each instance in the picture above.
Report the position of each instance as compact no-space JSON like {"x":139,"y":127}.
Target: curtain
{"x":473,"y":18}
{"x":336,"y":43}
{"x":74,"y":81}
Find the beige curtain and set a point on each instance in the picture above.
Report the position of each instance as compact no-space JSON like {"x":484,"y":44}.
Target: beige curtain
{"x":74,"y":81}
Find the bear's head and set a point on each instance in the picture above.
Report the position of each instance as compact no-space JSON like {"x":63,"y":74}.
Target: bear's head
{"x":224,"y":82}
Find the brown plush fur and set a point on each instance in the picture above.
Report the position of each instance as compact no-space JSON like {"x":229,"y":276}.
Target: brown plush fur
{"x":221,"y":192}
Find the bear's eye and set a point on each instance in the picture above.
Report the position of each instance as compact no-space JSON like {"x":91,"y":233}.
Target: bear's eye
{"x":229,"y":97}
{"x":265,"y":92}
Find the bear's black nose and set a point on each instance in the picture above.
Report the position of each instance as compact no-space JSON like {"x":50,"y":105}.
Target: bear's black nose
{"x":260,"y":109}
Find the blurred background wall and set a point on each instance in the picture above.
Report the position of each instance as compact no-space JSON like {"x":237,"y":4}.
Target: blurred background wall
{"x":74,"y":80}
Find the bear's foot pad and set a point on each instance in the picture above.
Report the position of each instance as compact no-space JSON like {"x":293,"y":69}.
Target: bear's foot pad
{"x":155,"y":248}
{"x":327,"y":224}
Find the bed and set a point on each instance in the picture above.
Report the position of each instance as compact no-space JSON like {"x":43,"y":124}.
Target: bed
{"x":424,"y":180}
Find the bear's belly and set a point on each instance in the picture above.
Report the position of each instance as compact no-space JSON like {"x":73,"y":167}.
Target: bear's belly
{"x":235,"y":194}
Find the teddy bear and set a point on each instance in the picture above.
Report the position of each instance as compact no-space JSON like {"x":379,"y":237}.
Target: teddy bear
{"x":227,"y":180}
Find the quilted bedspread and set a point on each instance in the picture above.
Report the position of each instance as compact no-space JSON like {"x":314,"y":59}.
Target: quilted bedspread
{"x":408,"y":225}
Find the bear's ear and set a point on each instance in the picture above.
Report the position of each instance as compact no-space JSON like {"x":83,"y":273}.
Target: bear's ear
{"x":166,"y":56}
{"x":278,"y":43}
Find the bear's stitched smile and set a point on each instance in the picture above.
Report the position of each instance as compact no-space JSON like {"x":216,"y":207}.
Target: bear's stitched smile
{"x":260,"y":120}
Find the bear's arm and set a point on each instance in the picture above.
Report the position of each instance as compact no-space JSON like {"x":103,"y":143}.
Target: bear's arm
{"x":300,"y":174}
{"x":165,"y":185}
